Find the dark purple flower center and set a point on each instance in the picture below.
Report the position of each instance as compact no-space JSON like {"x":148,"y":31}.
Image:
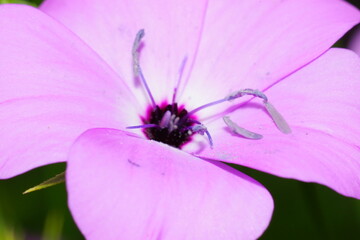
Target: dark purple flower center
{"x":172,"y":125}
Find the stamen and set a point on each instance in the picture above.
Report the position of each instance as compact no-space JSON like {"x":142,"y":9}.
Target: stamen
{"x":142,"y":126}
{"x":165,"y":119}
{"x":277,"y":118}
{"x":234,"y":95}
{"x":247,"y":91}
{"x":136,"y":64}
{"x":275,"y":115}
{"x":173,"y":123}
{"x":181,"y":71}
{"x":168,"y":125}
{"x":201,"y":129}
{"x":205,"y":106}
{"x":135,"y":54}
{"x":239,"y":130}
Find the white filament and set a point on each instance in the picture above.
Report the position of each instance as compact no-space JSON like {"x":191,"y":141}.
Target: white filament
{"x":239,"y":130}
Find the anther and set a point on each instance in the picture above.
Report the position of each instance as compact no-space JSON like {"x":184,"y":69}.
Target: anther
{"x":135,"y":53}
{"x":275,"y":115}
{"x":173,"y":123}
{"x":279,"y":120}
{"x":239,"y":130}
{"x":166,"y":119}
{"x":201,"y":129}
{"x":136,"y":64}
{"x":247,"y":91}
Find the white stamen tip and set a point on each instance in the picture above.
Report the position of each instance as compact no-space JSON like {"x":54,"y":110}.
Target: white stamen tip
{"x":140,"y":34}
{"x":279,"y":120}
{"x":136,"y":65}
{"x":239,"y":130}
{"x":165,"y":119}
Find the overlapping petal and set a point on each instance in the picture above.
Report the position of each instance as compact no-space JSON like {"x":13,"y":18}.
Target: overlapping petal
{"x":321,"y":104}
{"x":52,"y":88}
{"x":140,"y":189}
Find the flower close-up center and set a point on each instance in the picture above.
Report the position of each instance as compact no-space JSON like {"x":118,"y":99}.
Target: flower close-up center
{"x":169,"y":124}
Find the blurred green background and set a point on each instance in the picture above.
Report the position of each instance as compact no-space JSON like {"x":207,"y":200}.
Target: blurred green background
{"x":302,"y":210}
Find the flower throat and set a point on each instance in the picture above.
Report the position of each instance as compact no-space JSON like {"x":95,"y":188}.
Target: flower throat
{"x":175,"y":126}
{"x":169,"y":125}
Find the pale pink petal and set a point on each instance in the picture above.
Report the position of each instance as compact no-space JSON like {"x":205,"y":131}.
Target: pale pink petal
{"x":124,"y":187}
{"x":253,"y":44}
{"x":248,"y":43}
{"x":52,"y":88}
{"x":321,"y":103}
{"x":172,"y":33}
{"x":355,"y":41}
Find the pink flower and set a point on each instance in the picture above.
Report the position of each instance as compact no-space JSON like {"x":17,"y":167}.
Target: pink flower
{"x":62,"y":100}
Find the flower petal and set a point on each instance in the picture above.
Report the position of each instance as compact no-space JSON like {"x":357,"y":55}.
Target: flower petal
{"x":235,"y":44}
{"x":321,"y":103}
{"x":253,"y":44}
{"x":141,"y":189}
{"x":53,"y":88}
{"x":172,"y":32}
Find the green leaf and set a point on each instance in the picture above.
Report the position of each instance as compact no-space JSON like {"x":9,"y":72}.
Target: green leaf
{"x":60,"y":178}
{"x":18,"y":2}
